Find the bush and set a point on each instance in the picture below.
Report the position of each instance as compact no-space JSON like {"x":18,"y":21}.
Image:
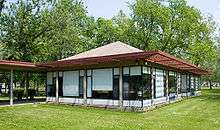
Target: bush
{"x":41,"y":93}
{"x":19,"y":93}
{"x":31,"y":93}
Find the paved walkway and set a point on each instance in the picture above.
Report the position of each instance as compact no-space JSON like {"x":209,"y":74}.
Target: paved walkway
{"x":22,"y":102}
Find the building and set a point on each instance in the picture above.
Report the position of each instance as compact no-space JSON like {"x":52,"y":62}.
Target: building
{"x":119,"y":75}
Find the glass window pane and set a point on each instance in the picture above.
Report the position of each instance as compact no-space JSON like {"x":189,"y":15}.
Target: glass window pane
{"x":135,"y":70}
{"x":116,"y":71}
{"x":126,"y":70}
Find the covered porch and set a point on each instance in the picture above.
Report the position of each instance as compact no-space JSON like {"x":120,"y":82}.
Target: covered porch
{"x":11,"y":68}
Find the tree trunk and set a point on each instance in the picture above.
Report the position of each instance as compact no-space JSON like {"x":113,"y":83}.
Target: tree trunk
{"x":210,"y":84}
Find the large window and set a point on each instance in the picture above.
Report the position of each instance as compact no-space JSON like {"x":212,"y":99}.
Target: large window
{"x":179,"y":82}
{"x":147,"y":83}
{"x":183,"y":88}
{"x":172,"y":84}
{"x":132,"y":83}
{"x":160,"y":84}
{"x":136,"y":83}
{"x":188,"y":86}
{"x":116,"y":86}
{"x":89,"y":83}
{"x":81,"y":86}
{"x":81,"y":77}
{"x":103,"y":83}
{"x":102,"y":80}
{"x":60,"y":83}
{"x":71,"y":83}
{"x":51,"y":86}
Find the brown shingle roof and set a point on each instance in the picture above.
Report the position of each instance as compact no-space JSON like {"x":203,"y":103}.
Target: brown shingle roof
{"x":109,"y":49}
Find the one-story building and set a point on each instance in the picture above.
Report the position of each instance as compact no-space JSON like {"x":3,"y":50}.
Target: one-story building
{"x":119,"y":75}
{"x":115,"y":75}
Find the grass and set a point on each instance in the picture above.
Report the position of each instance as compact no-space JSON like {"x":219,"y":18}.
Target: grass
{"x":4,"y":97}
{"x":195,"y":113}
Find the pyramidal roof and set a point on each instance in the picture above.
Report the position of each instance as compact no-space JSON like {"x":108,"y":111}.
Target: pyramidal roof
{"x":114,"y":48}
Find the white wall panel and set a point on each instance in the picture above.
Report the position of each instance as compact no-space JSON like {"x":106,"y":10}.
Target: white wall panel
{"x":71,"y":100}
{"x":71,"y":83}
{"x":160,"y":100}
{"x":147,"y":103}
{"x":103,"y":79}
{"x":105,"y":102}
{"x":132,"y":103}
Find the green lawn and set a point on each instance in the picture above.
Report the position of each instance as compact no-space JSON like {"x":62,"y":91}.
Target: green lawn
{"x":196,"y":113}
{"x":4,"y":97}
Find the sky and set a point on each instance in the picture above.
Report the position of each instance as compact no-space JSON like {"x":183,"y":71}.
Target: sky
{"x":109,"y":8}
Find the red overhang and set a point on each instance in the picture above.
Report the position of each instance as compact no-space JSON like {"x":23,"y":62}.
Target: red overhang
{"x":19,"y":65}
{"x":157,"y":57}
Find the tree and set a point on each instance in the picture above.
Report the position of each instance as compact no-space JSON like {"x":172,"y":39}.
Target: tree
{"x":66,"y":20}
{"x":171,"y":26}
{"x":20,"y":26}
{"x":1,"y":5}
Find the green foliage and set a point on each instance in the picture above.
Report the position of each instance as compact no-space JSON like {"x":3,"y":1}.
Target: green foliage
{"x":20,"y":26}
{"x":31,"y":93}
{"x":66,"y":20}
{"x":18,"y":93}
{"x":1,"y":5}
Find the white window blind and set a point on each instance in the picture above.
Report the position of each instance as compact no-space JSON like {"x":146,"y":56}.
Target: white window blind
{"x":89,"y":87}
{"x":183,"y":82}
{"x":71,"y":83}
{"x":102,"y":79}
{"x":159,"y":83}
